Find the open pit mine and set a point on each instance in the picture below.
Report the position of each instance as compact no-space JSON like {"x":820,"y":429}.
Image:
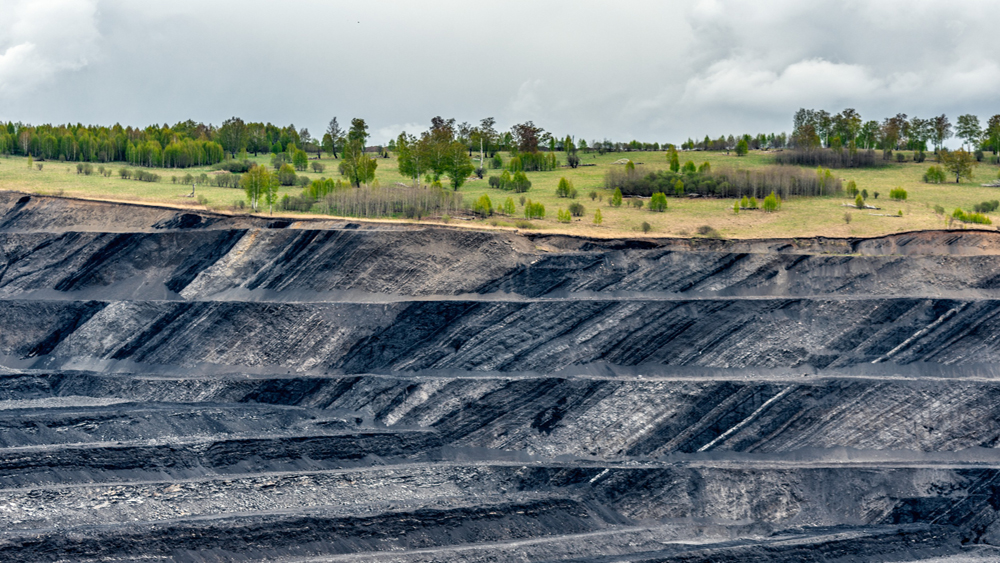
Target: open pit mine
{"x":186,"y":386}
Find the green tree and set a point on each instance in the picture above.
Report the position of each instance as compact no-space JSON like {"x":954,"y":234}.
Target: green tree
{"x":959,"y":163}
{"x":941,"y":130}
{"x":459,"y":165}
{"x":483,"y":207}
{"x":408,"y":157}
{"x":233,"y":136}
{"x":564,"y":187}
{"x":772,"y":203}
{"x":675,"y":162}
{"x":658,"y":202}
{"x":508,"y":207}
{"x":300,"y":160}
{"x":257,"y":183}
{"x":598,"y":219}
{"x":356,"y":165}
{"x":286,"y":175}
{"x":742,"y":148}
{"x":333,"y":137}
{"x":968,"y":129}
{"x":616,"y":198}
{"x":993,"y":133}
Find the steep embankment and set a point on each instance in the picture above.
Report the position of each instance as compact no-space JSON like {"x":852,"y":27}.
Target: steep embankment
{"x":208,"y":388}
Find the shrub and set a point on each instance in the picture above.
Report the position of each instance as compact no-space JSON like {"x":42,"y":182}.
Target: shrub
{"x":847,"y":217}
{"x":637,"y":203}
{"x":689,"y":168}
{"x":563,"y":216}
{"x":753,"y":203}
{"x":859,"y":202}
{"x":125,"y":173}
{"x":564,"y":187}
{"x":494,"y":182}
{"x":598,"y":218}
{"x":772,"y":203}
{"x":145,"y":176}
{"x":576,"y":209}
{"x":521,"y":200}
{"x":986,"y":206}
{"x":646,"y":227}
{"x":616,"y":198}
{"x":593,"y":195}
{"x":573,"y":161}
{"x":977,"y":218}
{"x":939,"y":210}
{"x":483,"y":207}
{"x":658,"y":202}
{"x":708,"y":231}
{"x":736,"y":207}
{"x":876,"y":195}
{"x":726,"y":182}
{"x":829,"y":158}
{"x":900,"y":157}
{"x":534,"y":210}
{"x":919,"y":156}
{"x":852,"y":188}
{"x":286,"y":175}
{"x":318,"y":167}
{"x":235,"y":166}
{"x":523,"y":224}
{"x":496,"y":163}
{"x":88,"y":169}
{"x":934,"y":175}
{"x":508,"y":206}
{"x":705,"y":168}
{"x":864,"y":194}
{"x":897,"y":194}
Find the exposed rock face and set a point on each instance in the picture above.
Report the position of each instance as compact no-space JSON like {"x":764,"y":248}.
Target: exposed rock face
{"x":192,"y":387}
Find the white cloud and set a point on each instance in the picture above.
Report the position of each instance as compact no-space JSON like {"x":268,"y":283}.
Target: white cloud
{"x":41,"y":38}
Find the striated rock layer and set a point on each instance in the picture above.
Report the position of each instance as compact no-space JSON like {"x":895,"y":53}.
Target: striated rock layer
{"x":179,"y":386}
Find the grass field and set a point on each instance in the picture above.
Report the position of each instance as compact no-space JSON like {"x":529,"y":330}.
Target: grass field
{"x":799,"y":217}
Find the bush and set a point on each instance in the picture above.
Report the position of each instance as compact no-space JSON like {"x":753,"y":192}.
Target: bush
{"x":534,"y":210}
{"x":852,"y":188}
{"x":494,"y":182}
{"x":563,"y":216}
{"x":573,"y":161}
{"x":235,"y":166}
{"x":564,"y":188}
{"x":483,"y":206}
{"x":125,"y":173}
{"x":300,"y":160}
{"x":616,"y":198}
{"x":726,"y":182}
{"x":496,"y":163}
{"x":935,"y":175}
{"x":847,"y":217}
{"x":598,"y":218}
{"x":900,"y":157}
{"x":986,"y":206}
{"x":318,"y":167}
{"x":577,"y":209}
{"x":897,"y":194}
{"x":977,"y":218}
{"x":145,"y":176}
{"x":658,"y":202}
{"x":226,"y":180}
{"x":707,"y":231}
{"x":736,"y":207}
{"x":646,"y":227}
{"x":772,"y":203}
{"x":919,"y":156}
{"x":859,"y":202}
{"x":508,"y":207}
{"x":286,"y":175}
{"x":829,"y":158}
{"x":522,"y":224}
{"x":593,"y":196}
{"x":939,"y":210}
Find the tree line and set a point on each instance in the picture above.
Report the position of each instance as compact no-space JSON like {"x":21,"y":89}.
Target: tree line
{"x":819,"y":128}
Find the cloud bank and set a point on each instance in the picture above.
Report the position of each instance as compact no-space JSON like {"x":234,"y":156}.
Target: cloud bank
{"x":651,"y":70}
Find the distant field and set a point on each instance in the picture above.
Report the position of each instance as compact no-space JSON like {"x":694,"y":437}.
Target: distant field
{"x":798,"y":216}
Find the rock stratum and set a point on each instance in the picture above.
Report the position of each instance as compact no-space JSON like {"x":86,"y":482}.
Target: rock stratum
{"x":181,"y":386}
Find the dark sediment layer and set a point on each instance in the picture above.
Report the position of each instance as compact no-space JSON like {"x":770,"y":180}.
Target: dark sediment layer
{"x":181,"y":386}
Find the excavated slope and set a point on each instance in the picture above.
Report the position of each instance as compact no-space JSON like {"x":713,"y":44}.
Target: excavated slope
{"x":180,"y":386}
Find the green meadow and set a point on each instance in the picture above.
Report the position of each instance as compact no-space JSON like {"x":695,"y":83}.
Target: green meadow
{"x":798,"y":217}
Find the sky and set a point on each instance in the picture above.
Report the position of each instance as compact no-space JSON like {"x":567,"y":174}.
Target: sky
{"x":657,"y":70}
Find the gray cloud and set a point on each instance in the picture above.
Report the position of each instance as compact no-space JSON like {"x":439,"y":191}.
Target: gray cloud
{"x":643,"y":69}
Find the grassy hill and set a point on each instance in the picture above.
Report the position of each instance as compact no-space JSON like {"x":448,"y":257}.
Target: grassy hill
{"x":798,"y":216}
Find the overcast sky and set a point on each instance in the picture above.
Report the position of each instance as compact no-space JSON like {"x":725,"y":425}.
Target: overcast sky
{"x":656,"y":70}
